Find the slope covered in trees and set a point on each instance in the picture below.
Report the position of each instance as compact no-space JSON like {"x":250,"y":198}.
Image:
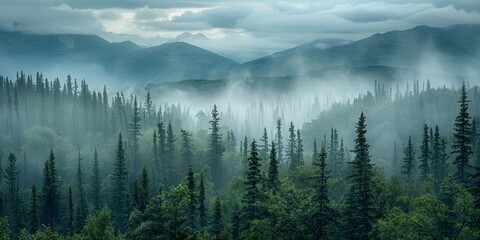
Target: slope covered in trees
{"x":83,"y":164}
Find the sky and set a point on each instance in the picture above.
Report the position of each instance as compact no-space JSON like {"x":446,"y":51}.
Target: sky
{"x":241,"y":30}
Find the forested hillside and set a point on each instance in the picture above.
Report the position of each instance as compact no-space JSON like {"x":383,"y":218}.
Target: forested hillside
{"x":389,"y":164}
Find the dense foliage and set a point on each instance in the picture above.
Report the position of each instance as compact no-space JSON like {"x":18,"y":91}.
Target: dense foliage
{"x":78,"y":164}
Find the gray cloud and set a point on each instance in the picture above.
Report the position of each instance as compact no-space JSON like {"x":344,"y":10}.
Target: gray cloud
{"x":222,"y":17}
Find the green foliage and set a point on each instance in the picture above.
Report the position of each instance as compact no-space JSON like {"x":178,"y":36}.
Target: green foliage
{"x":99,"y":226}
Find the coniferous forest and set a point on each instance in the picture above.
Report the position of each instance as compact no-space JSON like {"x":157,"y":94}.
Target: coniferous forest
{"x":78,"y":163}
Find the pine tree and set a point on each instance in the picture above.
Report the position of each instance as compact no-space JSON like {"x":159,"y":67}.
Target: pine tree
{"x":279,"y":140}
{"x":273,"y":183}
{"x":245,"y":154}
{"x":170,"y":156}
{"x":10,"y":174}
{"x":360,"y":197}
{"x":408,"y":168}
{"x":264,"y":147}
{"x":322,"y":212}
{"x":70,"y":210}
{"x":119,"y":186}
{"x":315,"y":151}
{"x":186,"y":149}
{"x":332,"y":152}
{"x":134,"y":130}
{"x":299,"y":149}
{"x":461,"y":147}
{"x":292,"y":148}
{"x":50,"y":193}
{"x":252,"y":192}
{"x":149,"y":109}
{"x":161,"y":151}
{"x":235,"y":222}
{"x":216,"y":149}
{"x":156,"y":160}
{"x":425,"y":155}
{"x":341,"y":158}
{"x":192,"y":203}
{"x":395,"y":158}
{"x":202,"y":211}
{"x":143,"y":191}
{"x":436,"y":154}
{"x":96,"y":182}
{"x":33,"y":217}
{"x":82,"y":211}
{"x":217,"y":218}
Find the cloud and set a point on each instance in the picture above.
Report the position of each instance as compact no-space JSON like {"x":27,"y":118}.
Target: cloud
{"x":221,"y":17}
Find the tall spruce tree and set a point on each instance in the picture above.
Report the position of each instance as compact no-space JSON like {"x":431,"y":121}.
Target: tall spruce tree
{"x":360,"y":198}
{"x":33,"y":215}
{"x":264,"y":146}
{"x":135,"y":128}
{"x":408,"y":168}
{"x":252,"y":192}
{"x":202,"y":210}
{"x":279,"y":140}
{"x":322,"y":213}
{"x":161,"y":151}
{"x":315,"y":151}
{"x":170,"y":156}
{"x":217,"y":218}
{"x":461,"y":147}
{"x":425,"y":155}
{"x":192,"y":200}
{"x":216,"y":149}
{"x":70,"y":213}
{"x":395,"y":158}
{"x":96,"y":182}
{"x":299,"y":149}
{"x":80,"y":195}
{"x":186,"y":149}
{"x":50,"y":192}
{"x":273,"y":182}
{"x":144,"y":192}
{"x":291,"y":153}
{"x":119,"y":190}
{"x":11,"y":174}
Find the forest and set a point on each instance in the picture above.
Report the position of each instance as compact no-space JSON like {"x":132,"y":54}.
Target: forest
{"x":391,"y":163}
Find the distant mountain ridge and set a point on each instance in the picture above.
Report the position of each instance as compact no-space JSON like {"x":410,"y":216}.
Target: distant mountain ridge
{"x":124,"y":60}
{"x":451,"y":48}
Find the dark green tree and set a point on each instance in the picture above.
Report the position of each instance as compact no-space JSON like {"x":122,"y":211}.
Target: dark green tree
{"x":70,"y":213}
{"x":291,"y":153}
{"x":425,"y":155}
{"x":186,"y":149}
{"x":192,"y":200}
{"x":360,"y":198}
{"x":252,"y":192}
{"x":50,"y":192}
{"x":33,"y":216}
{"x":322,"y":214}
{"x":144,"y":192}
{"x":461,"y":147}
{"x":315,"y":151}
{"x":408,"y":168}
{"x":202,"y":210}
{"x":11,"y":174}
{"x":299,"y":149}
{"x":273,"y":182}
{"x":264,"y":147}
{"x":82,"y":207}
{"x":134,"y":129}
{"x":119,"y":189}
{"x":161,"y":151}
{"x":217,"y":218}
{"x":96,"y":182}
{"x":215,"y":149}
{"x":279,"y":140}
{"x":170,"y":156}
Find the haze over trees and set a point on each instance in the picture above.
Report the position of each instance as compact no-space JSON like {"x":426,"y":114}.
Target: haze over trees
{"x":83,"y":164}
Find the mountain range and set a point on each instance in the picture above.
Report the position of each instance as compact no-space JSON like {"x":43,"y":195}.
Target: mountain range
{"x":453,"y":50}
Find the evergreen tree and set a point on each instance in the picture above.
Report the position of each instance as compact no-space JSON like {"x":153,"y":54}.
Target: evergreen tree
{"x":119,"y":190}
{"x":149,"y":108}
{"x":245,"y":154}
{"x":436,"y":155}
{"x":299,"y":149}
{"x":50,"y":193}
{"x":425,"y":155}
{"x":186,"y":149}
{"x":202,"y":211}
{"x":264,"y":147}
{"x":322,"y":213}
{"x":292,"y":148}
{"x":33,"y":217}
{"x":156,"y":160}
{"x":235,"y":222}
{"x":252,"y":192}
{"x":332,"y":152}
{"x":279,"y":140}
{"x":134,"y":128}
{"x":70,"y":212}
{"x":395,"y":158}
{"x":96,"y":182}
{"x":341,"y":158}
{"x":10,"y":174}
{"x":461,"y":147}
{"x":144,"y":192}
{"x":360,"y":198}
{"x":408,"y":168}
{"x":273,"y":182}
{"x":82,"y":208}
{"x":161,"y":151}
{"x":216,"y":149}
{"x":217,"y":218}
{"x":170,"y":156}
{"x":192,"y":203}
{"x":315,"y":151}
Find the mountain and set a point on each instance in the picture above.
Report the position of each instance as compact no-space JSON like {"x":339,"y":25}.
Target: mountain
{"x":453,"y":50}
{"x":189,"y":36}
{"x":89,"y":54}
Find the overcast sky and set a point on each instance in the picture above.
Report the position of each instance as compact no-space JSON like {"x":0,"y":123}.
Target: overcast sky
{"x":241,"y":30}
